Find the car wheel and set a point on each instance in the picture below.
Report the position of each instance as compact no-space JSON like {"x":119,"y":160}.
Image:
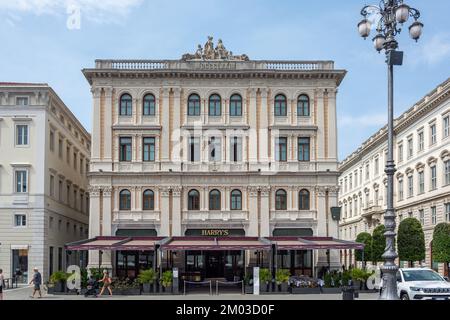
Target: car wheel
{"x":404,"y":296}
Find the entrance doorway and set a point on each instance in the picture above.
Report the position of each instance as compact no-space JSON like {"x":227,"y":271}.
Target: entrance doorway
{"x":20,"y":264}
{"x":215,"y":264}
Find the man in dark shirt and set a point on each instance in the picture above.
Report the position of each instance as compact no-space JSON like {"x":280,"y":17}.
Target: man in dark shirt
{"x":36,"y":281}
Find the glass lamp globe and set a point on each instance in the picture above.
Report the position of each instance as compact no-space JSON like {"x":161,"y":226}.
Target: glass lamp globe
{"x":415,"y":30}
{"x":364,"y":28}
{"x":378,"y":42}
{"x":402,"y":13}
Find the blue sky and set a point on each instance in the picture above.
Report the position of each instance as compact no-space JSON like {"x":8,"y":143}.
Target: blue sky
{"x":37,"y":46}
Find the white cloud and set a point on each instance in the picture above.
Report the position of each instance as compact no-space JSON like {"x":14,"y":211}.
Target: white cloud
{"x":374,"y":120}
{"x":94,"y":10}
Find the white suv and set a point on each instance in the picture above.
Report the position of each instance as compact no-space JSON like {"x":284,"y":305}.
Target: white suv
{"x":422,"y":284}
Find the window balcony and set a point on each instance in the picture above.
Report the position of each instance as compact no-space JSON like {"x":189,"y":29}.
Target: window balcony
{"x":293,"y":215}
{"x":135,"y":216}
{"x":372,"y":213}
{"x":206,"y":215}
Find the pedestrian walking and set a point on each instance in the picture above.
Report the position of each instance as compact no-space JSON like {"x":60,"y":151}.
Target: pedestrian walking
{"x":2,"y":284}
{"x":106,"y":283}
{"x":381,"y":284}
{"x":37,"y":282}
{"x":321,"y":283}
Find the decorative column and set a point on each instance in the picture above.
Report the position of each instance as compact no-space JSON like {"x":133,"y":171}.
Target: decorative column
{"x":176,"y":211}
{"x":332,"y":125}
{"x":96,"y":128}
{"x":265,"y":211}
{"x":321,"y":125}
{"x":321,"y":256}
{"x":263,"y":129}
{"x":165,"y":207}
{"x":176,"y":132}
{"x":108,"y":125}
{"x":253,"y":212}
{"x":165,"y":130}
{"x":94,"y":223}
{"x":253,"y":132}
{"x":106,"y":225}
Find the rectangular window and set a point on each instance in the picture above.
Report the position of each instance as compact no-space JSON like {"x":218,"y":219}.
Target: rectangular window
{"x":422,"y":216}
{"x":50,"y":222}
{"x":350,"y":179}
{"x":52,"y":141}
{"x":410,"y":147}
{"x":377,"y":166}
{"x":400,"y":153}
{"x":21,"y":181}
{"x":447,"y":212}
{"x":52,"y":186}
{"x":447,"y":172}
{"x":21,"y":135}
{"x":60,"y":259}
{"x":68,"y":154}
{"x":125,"y":149}
{"x":410,"y":186}
{"x":304,"y":145}
{"x":68,"y":195}
{"x":81,"y":166}
{"x":194,"y":149}
{"x":75,"y":157}
{"x":148,"y":150}
{"x":22,"y":101}
{"x":281,"y":149}
{"x":20,"y":220}
{"x":433,"y":178}
{"x":215,"y":146}
{"x":421,"y":141}
{"x":446,"y":125}
{"x":60,"y":148}
{"x":421,"y":182}
{"x":367,"y":171}
{"x":75,"y":199}
{"x":50,"y":261}
{"x":433,"y":137}
{"x":236,"y":149}
{"x":433,"y":215}
{"x":60,"y":190}
{"x":400,"y":189}
{"x":356,"y":178}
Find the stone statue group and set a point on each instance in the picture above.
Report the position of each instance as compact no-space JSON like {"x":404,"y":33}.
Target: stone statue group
{"x":211,"y":53}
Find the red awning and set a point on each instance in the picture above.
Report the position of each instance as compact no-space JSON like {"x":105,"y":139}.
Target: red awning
{"x":115,"y":243}
{"x":215,"y":244}
{"x":313,"y":243}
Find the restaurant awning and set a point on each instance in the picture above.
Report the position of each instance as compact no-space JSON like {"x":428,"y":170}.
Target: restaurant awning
{"x":313,"y":243}
{"x":115,"y":243}
{"x":216,"y":244}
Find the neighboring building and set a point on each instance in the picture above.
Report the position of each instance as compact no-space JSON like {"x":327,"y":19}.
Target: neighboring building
{"x":44,"y":157}
{"x":213,"y":145}
{"x":422,"y":180}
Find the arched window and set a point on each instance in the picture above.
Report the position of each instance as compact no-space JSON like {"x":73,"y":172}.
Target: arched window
{"x":303,"y":200}
{"x":125,"y":200}
{"x":214,"y":200}
{"x":236,"y":200}
{"x":149,"y":105}
{"x":281,"y":200}
{"x":193,"y":200}
{"x":303,"y":106}
{"x":280,"y":105}
{"x":148,"y":200}
{"x":235,"y":105}
{"x":215,"y":105}
{"x":126,"y":105}
{"x":194,"y":105}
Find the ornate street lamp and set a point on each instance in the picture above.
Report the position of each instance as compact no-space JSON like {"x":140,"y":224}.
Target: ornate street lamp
{"x":393,"y":14}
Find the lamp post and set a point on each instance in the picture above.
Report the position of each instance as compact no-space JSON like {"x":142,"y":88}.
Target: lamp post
{"x":393,"y":14}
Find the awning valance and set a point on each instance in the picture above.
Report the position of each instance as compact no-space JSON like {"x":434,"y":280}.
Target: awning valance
{"x":313,"y":243}
{"x":115,"y":243}
{"x":215,"y":244}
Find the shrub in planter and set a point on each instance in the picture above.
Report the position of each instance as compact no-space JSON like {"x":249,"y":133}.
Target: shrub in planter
{"x":58,"y":280}
{"x":281,"y":279}
{"x":166,"y":280}
{"x":147,"y":279}
{"x":265,"y":278}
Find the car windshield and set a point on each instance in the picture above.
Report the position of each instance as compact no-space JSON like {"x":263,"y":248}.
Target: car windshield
{"x":421,"y":275}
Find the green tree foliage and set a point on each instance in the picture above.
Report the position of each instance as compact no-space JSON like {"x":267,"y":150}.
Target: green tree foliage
{"x":441,"y":243}
{"x":411,"y":241}
{"x":378,"y":243}
{"x":365,"y":238}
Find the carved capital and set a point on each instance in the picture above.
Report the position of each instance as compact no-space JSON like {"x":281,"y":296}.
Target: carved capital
{"x":176,"y":191}
{"x":253,"y":191}
{"x":107,"y":190}
{"x":96,"y":92}
{"x":165,"y":191}
{"x":94,"y":191}
{"x":265,"y":191}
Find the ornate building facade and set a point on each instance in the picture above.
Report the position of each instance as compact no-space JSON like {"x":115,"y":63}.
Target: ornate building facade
{"x":422,"y":180}
{"x":213,"y":144}
{"x":44,"y":160}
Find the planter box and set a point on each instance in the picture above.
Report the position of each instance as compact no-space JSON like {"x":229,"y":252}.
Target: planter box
{"x":282,"y":288}
{"x":148,"y":288}
{"x":298,"y":290}
{"x":331,"y":290}
{"x":127,"y":292}
{"x":248,"y":289}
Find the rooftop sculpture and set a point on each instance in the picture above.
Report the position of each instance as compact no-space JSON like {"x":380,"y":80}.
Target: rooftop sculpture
{"x":208,"y":52}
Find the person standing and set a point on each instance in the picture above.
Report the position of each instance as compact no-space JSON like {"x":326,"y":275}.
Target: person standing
{"x":36,"y":281}
{"x":2,"y":284}
{"x":106,"y":283}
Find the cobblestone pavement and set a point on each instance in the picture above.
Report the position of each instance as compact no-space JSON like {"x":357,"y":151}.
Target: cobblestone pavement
{"x":24,"y":293}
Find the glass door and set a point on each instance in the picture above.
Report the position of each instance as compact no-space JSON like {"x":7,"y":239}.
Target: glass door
{"x":20,"y":264}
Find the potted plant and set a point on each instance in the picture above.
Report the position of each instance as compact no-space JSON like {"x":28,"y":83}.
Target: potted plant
{"x":305,"y":285}
{"x":147,"y":279}
{"x":265,"y":278}
{"x":248,"y":283}
{"x":281,"y":279}
{"x":133,"y":288}
{"x":58,"y":281}
{"x":166,"y":281}
{"x":332,"y":282}
{"x":358,"y":276}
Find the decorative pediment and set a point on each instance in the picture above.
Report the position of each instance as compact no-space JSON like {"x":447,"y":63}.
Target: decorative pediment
{"x":445,"y":155}
{"x":209,"y":52}
{"x":432,"y":161}
{"x":420,"y":167}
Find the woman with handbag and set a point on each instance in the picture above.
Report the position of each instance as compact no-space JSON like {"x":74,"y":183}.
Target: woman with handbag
{"x":106,"y":283}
